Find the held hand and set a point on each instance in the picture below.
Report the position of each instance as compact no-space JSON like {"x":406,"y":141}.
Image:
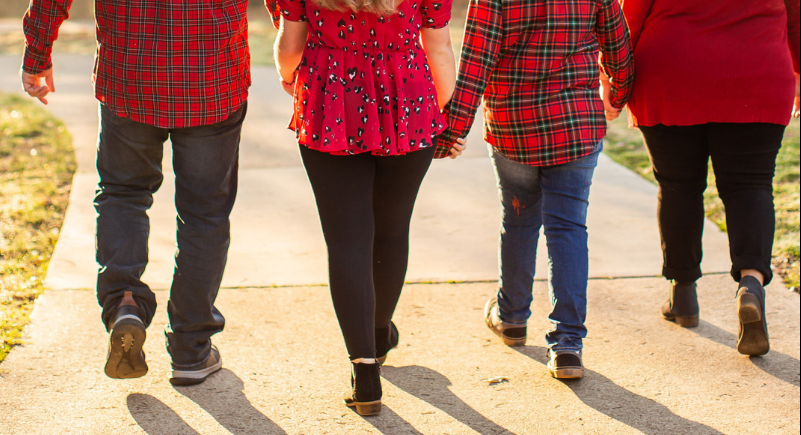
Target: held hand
{"x":457,"y":148}
{"x":796,"y":102}
{"x":32,"y":84}
{"x":606,"y":93}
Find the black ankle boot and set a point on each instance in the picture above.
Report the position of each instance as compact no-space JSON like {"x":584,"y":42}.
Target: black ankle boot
{"x":753,"y":338}
{"x":386,"y":339}
{"x":365,"y":396}
{"x":682,"y":306}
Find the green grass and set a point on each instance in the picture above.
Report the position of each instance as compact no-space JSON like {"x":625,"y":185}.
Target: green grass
{"x":625,"y":146}
{"x":36,"y":167}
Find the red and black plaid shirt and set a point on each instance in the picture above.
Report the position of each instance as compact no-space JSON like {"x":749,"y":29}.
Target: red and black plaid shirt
{"x":535,"y":63}
{"x":167,"y":63}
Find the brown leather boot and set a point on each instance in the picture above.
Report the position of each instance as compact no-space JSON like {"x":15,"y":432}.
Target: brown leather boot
{"x":365,"y":396}
{"x":682,"y":306}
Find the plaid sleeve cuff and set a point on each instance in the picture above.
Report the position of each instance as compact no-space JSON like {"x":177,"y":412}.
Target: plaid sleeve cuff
{"x":34,"y":63}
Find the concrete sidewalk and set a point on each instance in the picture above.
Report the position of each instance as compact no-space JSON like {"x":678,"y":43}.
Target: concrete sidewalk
{"x":286,"y":367}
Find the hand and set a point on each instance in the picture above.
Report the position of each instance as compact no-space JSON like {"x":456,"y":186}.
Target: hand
{"x":32,"y":84}
{"x":610,"y":112}
{"x":457,"y":148}
{"x":289,"y":88}
{"x":796,"y":103}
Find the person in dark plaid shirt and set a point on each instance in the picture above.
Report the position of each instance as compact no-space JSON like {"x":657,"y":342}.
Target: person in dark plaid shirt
{"x":167,"y":69}
{"x":535,"y":65}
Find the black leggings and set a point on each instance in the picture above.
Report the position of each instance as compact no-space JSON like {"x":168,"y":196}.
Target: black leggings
{"x":744,"y":161}
{"x":365,"y":204}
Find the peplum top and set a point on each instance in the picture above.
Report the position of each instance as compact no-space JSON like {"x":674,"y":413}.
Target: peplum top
{"x":364,"y":84}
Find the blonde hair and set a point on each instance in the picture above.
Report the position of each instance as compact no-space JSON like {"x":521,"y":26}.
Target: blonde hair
{"x":378,"y":7}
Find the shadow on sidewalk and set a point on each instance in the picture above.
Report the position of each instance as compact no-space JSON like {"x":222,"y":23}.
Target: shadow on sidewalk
{"x":156,"y":418}
{"x":432,"y":387}
{"x":388,"y":422}
{"x":222,"y":397}
{"x":641,"y":413}
{"x":778,"y":365}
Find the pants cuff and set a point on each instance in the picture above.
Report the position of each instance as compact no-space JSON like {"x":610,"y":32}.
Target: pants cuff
{"x":682,"y":275}
{"x":761,"y":264}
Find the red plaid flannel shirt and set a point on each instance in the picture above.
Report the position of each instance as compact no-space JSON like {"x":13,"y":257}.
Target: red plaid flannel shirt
{"x":167,"y":63}
{"x":536,"y":65}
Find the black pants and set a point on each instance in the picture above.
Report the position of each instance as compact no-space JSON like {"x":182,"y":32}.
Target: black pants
{"x":744,"y":161}
{"x":205,"y":162}
{"x":365,"y":204}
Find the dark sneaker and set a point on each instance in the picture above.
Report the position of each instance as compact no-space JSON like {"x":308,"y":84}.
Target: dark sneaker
{"x":194,"y":375}
{"x":126,"y":359}
{"x":512,"y":334}
{"x":753,"y":338}
{"x":365,"y":394}
{"x":565,"y":364}
{"x":682,"y":305}
{"x":386,"y":339}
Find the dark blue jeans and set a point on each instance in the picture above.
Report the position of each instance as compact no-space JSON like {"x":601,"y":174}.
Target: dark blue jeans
{"x":555,"y":197}
{"x":205,"y":161}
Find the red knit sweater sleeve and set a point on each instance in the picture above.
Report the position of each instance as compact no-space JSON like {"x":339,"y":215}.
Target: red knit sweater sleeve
{"x":794,"y":30}
{"x":636,"y":12}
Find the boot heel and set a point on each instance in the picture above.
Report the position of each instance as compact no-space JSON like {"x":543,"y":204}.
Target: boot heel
{"x":368,"y":408}
{"x":687,"y":321}
{"x":748,"y":308}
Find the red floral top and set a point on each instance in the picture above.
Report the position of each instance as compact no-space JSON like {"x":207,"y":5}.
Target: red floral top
{"x":364,"y":84}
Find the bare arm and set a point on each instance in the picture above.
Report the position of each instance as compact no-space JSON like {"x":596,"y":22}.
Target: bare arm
{"x":439,"y":51}
{"x":289,"y":46}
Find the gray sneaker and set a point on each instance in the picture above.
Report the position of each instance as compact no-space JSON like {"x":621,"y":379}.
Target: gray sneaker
{"x":182,"y":376}
{"x":512,"y":334}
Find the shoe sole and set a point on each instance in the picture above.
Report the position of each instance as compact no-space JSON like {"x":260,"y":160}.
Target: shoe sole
{"x":366,"y":408}
{"x":125,"y":357}
{"x":567,"y":372}
{"x":684,"y":321}
{"x":753,"y":339}
{"x":509,"y":341}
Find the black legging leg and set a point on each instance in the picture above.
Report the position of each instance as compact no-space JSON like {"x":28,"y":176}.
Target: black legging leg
{"x":397,"y":181}
{"x":365,"y":201}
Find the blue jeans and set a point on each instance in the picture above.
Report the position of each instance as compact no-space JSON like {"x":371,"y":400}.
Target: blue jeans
{"x":555,"y":197}
{"x":205,"y":161}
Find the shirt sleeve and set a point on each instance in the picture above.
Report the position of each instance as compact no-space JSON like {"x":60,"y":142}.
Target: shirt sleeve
{"x":40,"y":25}
{"x":275,"y":12}
{"x":616,"y":52}
{"x":292,"y":10}
{"x":436,"y":13}
{"x":636,"y":12}
{"x":793,"y":32}
{"x":481,"y":47}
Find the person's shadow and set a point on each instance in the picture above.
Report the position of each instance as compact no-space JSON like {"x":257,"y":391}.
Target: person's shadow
{"x":641,"y":413}
{"x":222,"y":397}
{"x":156,"y":418}
{"x":778,"y":365}
{"x":432,"y":387}
{"x":389,"y":422}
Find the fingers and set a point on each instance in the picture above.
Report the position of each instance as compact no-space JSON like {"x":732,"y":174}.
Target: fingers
{"x":51,"y":84}
{"x":31,"y":85}
{"x":289,"y":89}
{"x":611,"y":115}
{"x":796,"y":107}
{"x":457,"y":148}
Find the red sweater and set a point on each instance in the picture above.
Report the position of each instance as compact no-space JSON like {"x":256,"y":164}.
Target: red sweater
{"x":713,"y":60}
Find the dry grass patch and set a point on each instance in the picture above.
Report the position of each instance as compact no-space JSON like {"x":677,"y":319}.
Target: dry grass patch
{"x":36,"y":166}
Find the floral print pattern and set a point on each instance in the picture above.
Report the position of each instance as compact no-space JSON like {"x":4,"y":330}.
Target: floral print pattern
{"x":364,"y":84}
